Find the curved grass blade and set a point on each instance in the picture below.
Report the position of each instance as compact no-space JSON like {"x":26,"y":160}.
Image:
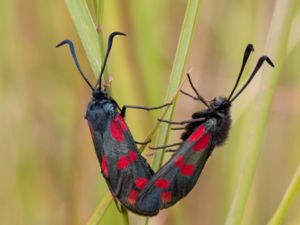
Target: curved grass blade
{"x":278,"y":36}
{"x":287,"y":200}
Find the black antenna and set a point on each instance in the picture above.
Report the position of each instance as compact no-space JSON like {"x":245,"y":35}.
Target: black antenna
{"x":72,"y":50}
{"x":109,"y":45}
{"x":257,"y":67}
{"x":247,"y":53}
{"x":199,"y":96}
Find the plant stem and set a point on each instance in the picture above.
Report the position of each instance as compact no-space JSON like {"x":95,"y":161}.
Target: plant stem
{"x":276,"y":49}
{"x":87,"y":32}
{"x":125,"y":216}
{"x":183,"y":47}
{"x":288,"y":197}
{"x":99,"y":10}
{"x":101,"y":209}
{"x":185,"y":39}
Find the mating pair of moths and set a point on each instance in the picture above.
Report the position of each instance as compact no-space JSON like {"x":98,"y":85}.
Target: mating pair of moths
{"x":129,"y":177}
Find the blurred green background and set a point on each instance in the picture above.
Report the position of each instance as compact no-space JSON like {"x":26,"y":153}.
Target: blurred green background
{"x":49,"y":171}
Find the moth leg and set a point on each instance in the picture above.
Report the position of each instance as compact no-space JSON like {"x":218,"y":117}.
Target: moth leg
{"x":167,"y":150}
{"x":189,"y":95}
{"x":181,"y":122}
{"x":177,"y":128}
{"x":171,"y":150}
{"x":143,"y":142}
{"x":123,"y":110}
{"x":119,"y":206}
{"x":166,"y":146}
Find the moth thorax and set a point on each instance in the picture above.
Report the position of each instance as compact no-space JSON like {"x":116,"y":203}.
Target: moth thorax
{"x":222,"y":128}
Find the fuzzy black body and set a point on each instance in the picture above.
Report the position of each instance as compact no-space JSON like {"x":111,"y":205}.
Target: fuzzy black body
{"x":120,"y":161}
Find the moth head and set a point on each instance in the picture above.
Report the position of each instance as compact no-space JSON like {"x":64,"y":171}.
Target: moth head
{"x":219,"y":103}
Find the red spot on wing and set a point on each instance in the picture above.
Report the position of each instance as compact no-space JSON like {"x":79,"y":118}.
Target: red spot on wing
{"x":166,"y":196}
{"x":179,"y":161}
{"x":122,"y":122}
{"x":162,"y":183}
{"x":132,"y":156}
{"x":104,"y":166}
{"x":133,"y":195}
{"x":122,"y":163}
{"x":187,"y":170}
{"x":141,"y":182}
{"x":116,"y":130}
{"x":202,"y":143}
{"x":91,"y":129}
{"x":197,"y":133}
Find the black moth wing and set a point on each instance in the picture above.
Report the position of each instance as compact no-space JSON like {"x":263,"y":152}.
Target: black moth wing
{"x":179,"y":175}
{"x":122,"y":166}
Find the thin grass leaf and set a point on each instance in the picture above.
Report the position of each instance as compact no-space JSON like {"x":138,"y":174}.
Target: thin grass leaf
{"x":90,"y":33}
{"x":87,"y":32}
{"x":183,"y":47}
{"x":125,"y":216}
{"x":101,"y":209}
{"x":276,"y":48}
{"x":99,"y":10}
{"x":287,"y":200}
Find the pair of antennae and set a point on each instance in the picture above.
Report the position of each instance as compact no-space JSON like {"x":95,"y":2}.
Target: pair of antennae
{"x":259,"y":63}
{"x":73,"y":53}
{"x":230,"y":99}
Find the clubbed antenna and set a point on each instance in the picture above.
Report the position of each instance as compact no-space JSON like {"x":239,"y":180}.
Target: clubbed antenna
{"x":247,"y":53}
{"x":72,"y":50}
{"x":257,"y":67}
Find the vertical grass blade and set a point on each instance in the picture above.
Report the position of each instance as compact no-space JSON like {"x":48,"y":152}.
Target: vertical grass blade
{"x":188,"y":26}
{"x":275,"y":48}
{"x":288,"y":197}
{"x":183,"y":47}
{"x":101,"y":209}
{"x":99,"y":10}
{"x":86,"y":29}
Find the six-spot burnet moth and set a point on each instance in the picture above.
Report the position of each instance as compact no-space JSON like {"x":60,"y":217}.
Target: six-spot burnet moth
{"x":123,"y":167}
{"x":206,"y":130}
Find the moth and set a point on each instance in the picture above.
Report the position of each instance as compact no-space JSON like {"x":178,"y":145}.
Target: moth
{"x":206,"y":130}
{"x":125,"y":170}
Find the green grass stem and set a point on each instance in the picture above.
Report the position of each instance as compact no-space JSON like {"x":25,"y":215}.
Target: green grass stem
{"x":183,"y":47}
{"x":276,"y":48}
{"x":101,"y":209}
{"x":86,"y":29}
{"x":287,"y":200}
